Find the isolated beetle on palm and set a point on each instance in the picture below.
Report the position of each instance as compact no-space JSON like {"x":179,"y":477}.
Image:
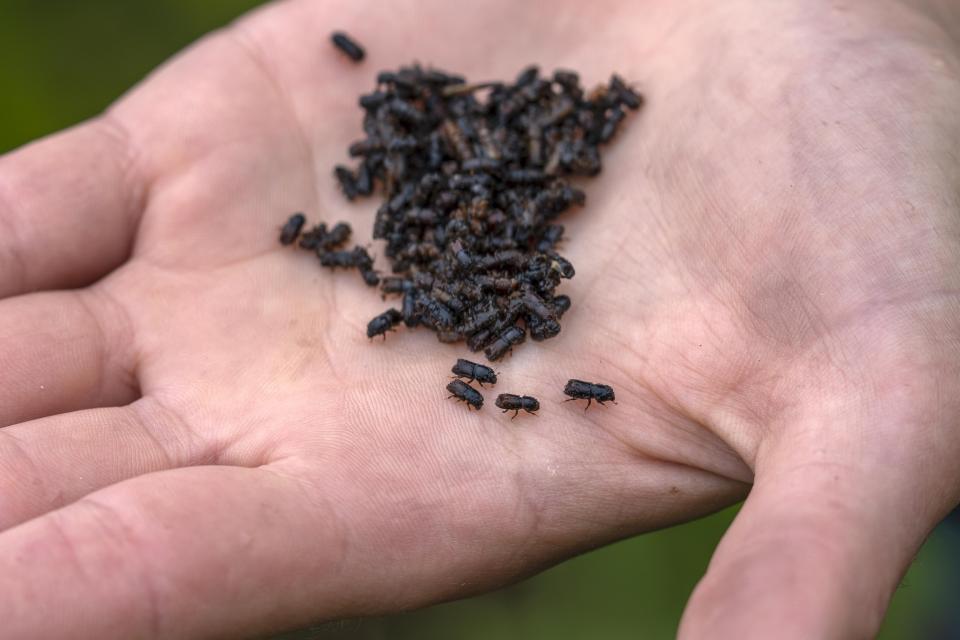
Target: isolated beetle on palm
{"x":474,"y":371}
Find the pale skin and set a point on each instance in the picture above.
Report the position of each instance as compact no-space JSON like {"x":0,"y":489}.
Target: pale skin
{"x":199,"y":441}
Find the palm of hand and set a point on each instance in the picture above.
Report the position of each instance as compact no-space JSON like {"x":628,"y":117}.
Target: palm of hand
{"x":732,"y":314}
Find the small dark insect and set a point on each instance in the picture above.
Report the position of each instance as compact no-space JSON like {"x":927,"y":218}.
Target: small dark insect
{"x":291,"y":230}
{"x":589,"y":391}
{"x":318,"y":238}
{"x":480,"y":164}
{"x":610,"y":126}
{"x":479,"y":340}
{"x":373,"y":100}
{"x":406,"y":112}
{"x":347,"y":182}
{"x":472,"y":183}
{"x":435,"y":76}
{"x":541,"y":330}
{"x":510,"y":258}
{"x":312,"y":239}
{"x":461,"y":88}
{"x":452,"y":302}
{"x":337,"y":236}
{"x":479,"y":319}
{"x":357,"y":259}
{"x":346,"y":44}
{"x":422,"y":280}
{"x":535,"y":305}
{"x":456,"y":139}
{"x":527,"y":76}
{"x":464,"y":259}
{"x":562,"y":266}
{"x":386,"y":77}
{"x":462,"y":391}
{"x":394,"y":284}
{"x":505,"y":342}
{"x":561,"y":304}
{"x":503,"y":285}
{"x":510,"y":402}
{"x":365,"y":147}
{"x":560,"y":110}
{"x":420,"y":216}
{"x":474,"y":371}
{"x":565,"y":78}
{"x":552,"y":234}
{"x":410,"y":316}
{"x":404,"y":144}
{"x":384,"y":322}
{"x":626,"y":95}
{"x":364,"y":181}
{"x":438,"y":312}
{"x":382,"y":224}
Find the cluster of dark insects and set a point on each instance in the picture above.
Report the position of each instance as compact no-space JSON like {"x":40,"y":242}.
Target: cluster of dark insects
{"x":481,"y":373}
{"x":473,"y":178}
{"x":473,"y":372}
{"x":328,"y":243}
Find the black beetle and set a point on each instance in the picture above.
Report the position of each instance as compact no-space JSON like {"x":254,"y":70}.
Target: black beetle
{"x":384,"y":322}
{"x":589,"y":391}
{"x":511,"y":402}
{"x":504,"y":342}
{"x":291,"y":230}
{"x":474,"y":371}
{"x":347,"y":45}
{"x":462,"y":391}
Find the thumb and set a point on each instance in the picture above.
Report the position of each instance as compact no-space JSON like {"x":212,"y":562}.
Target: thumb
{"x":819,"y":546}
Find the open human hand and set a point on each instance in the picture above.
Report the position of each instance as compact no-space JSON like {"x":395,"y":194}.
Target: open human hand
{"x":199,"y":441}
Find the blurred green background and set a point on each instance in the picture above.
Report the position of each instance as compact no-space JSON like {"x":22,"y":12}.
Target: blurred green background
{"x":62,"y":61}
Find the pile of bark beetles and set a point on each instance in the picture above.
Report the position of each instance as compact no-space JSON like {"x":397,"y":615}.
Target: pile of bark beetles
{"x":472,"y":187}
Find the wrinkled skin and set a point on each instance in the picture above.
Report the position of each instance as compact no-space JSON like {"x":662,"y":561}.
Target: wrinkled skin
{"x":199,"y":440}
